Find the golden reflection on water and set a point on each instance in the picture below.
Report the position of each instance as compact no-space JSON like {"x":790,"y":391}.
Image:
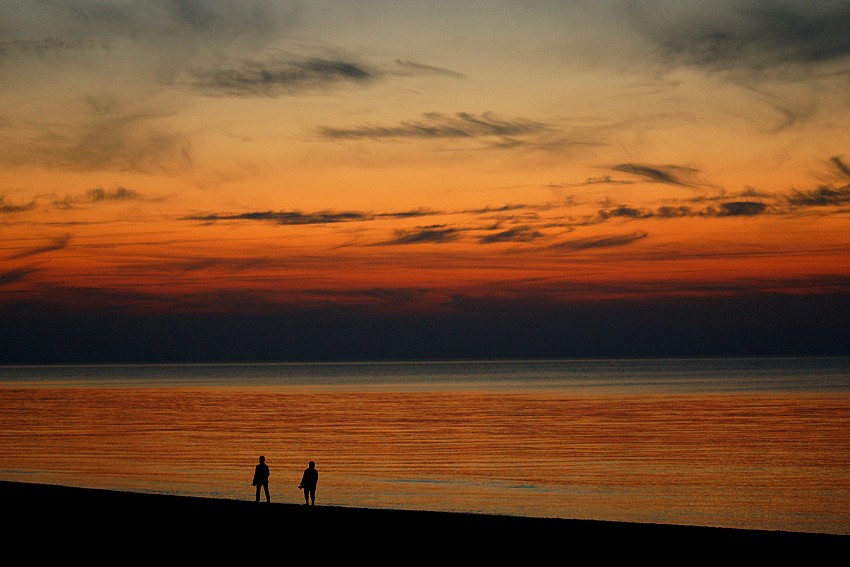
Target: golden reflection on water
{"x":768,"y":461}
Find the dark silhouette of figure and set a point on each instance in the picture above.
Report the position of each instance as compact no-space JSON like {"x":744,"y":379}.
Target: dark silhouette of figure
{"x":308,"y":482}
{"x":261,"y":478}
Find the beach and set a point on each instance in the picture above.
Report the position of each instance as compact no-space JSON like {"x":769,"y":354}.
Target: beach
{"x":98,"y":525}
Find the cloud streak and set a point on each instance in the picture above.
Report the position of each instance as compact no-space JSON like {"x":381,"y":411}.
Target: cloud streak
{"x":821,"y":197}
{"x":98,"y":195}
{"x":118,"y":194}
{"x":8,"y":208}
{"x":839,"y":164}
{"x":284,"y":77}
{"x":515,"y":234}
{"x":300,"y":218}
{"x":13,"y":276}
{"x":667,"y":174}
{"x":423,"y":235}
{"x":107,"y":134}
{"x":437,"y":125}
{"x":57,"y":244}
{"x":611,"y":241}
{"x":415,"y":68}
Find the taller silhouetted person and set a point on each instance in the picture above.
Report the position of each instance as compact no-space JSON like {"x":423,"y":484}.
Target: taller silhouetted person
{"x":309,"y":480}
{"x":261,"y":478}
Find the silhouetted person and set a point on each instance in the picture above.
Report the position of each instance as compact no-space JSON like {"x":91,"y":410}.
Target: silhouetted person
{"x":308,"y":482}
{"x":261,"y":478}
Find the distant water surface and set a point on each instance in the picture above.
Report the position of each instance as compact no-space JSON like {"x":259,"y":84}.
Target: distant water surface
{"x":753,"y":443}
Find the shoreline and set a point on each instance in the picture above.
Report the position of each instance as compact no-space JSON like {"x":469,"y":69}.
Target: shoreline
{"x":199,"y":526}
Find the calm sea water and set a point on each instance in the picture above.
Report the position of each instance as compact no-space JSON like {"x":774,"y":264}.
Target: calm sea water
{"x":749,"y":443}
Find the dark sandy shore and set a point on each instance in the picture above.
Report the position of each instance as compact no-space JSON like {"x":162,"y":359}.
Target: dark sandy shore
{"x":99,"y":525}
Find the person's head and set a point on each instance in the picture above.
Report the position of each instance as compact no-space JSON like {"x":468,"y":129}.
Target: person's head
{"x":262,"y":459}
{"x":312,"y":464}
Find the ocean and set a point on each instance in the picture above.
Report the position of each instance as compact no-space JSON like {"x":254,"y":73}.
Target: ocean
{"x":757,"y":443}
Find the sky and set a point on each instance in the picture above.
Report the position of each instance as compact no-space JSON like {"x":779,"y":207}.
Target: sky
{"x":206,"y":180}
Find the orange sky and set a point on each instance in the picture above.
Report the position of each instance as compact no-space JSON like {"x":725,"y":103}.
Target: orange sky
{"x":218,"y":157}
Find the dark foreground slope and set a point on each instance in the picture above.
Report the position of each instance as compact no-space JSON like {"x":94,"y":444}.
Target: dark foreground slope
{"x":70,"y":524}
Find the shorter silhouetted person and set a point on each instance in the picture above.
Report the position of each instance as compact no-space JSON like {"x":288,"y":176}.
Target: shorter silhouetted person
{"x":261,"y":478}
{"x":309,"y":480}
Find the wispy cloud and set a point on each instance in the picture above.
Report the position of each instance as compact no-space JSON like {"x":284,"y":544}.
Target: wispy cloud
{"x":438,"y":125}
{"x":283,"y":77}
{"x":515,"y":234}
{"x":56,"y":244}
{"x":106,"y":134}
{"x":118,"y":194}
{"x":99,"y":195}
{"x":14,"y":276}
{"x":741,"y":209}
{"x":415,"y":68}
{"x":839,"y":164}
{"x":285,"y":217}
{"x":668,"y":174}
{"x":503,"y":209}
{"x":163,"y":23}
{"x":753,"y":35}
{"x":723,"y":209}
{"x":301,"y":218}
{"x":423,"y":235}
{"x":590,"y":181}
{"x":6,"y":207}
{"x":611,"y":241}
{"x":297,"y":75}
{"x":624,"y":211}
{"x":231,"y":265}
{"x":821,"y":196}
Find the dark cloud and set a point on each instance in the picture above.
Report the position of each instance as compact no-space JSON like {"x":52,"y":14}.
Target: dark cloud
{"x":283,"y":77}
{"x":757,"y":35}
{"x":601,"y":241}
{"x":10,"y":208}
{"x":727,"y":209}
{"x":437,"y":125}
{"x":516,"y":234}
{"x":501,"y":209}
{"x":672,"y":212}
{"x":838,"y":163}
{"x":741,"y":208}
{"x":423,"y":235}
{"x":57,"y":244}
{"x":300,"y":218}
{"x":286,"y":217}
{"x":820,"y":197}
{"x":14,"y":276}
{"x":669,"y":174}
{"x":624,"y":211}
{"x":99,"y":195}
{"x":409,"y":214}
{"x":118,"y":194}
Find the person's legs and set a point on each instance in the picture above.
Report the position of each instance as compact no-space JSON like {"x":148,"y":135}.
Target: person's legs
{"x":268,"y":496}
{"x":258,"y":493}
{"x":306,"y":496}
{"x":313,"y":496}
